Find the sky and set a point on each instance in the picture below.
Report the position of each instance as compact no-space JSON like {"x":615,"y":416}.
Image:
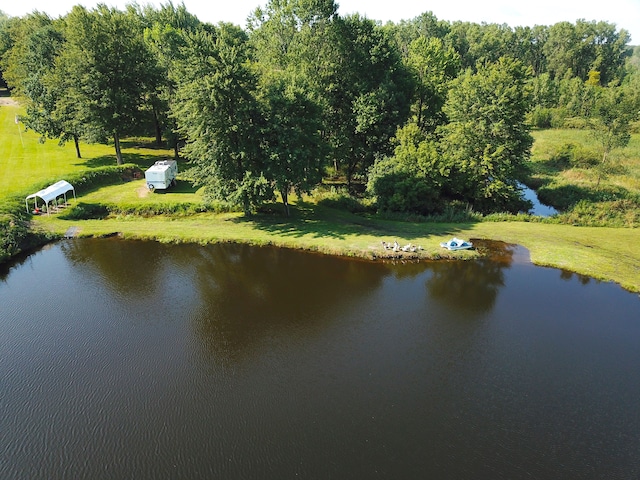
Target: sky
{"x":623,"y":13}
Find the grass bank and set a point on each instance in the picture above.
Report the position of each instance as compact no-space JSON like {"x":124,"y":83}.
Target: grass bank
{"x":593,"y":252}
{"x":568,"y":173}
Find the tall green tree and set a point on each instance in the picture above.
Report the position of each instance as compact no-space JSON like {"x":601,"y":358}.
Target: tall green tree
{"x":367,"y":95}
{"x":576,"y":49}
{"x":610,"y":123}
{"x":609,"y":50}
{"x":292,"y":144}
{"x":218,"y":114}
{"x":433,"y":66}
{"x":107,"y":62}
{"x":349,"y":66}
{"x":478,"y":44}
{"x":165,"y":34}
{"x":424,"y":25}
{"x":33,"y":64}
{"x":576,"y":97}
{"x":528,"y":47}
{"x":6,"y":42}
{"x":487,"y":140}
{"x":292,"y":44}
{"x":412,"y":179}
{"x":286,"y":32}
{"x":15,"y":41}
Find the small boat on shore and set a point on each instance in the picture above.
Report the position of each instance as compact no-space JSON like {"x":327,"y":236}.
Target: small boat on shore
{"x":456,"y":244}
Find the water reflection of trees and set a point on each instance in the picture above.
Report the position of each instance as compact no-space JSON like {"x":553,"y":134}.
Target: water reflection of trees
{"x":237,"y":294}
{"x":567,"y":276}
{"x":13,"y":263}
{"x":471,"y":286}
{"x":130,"y":270}
{"x":249,"y":294}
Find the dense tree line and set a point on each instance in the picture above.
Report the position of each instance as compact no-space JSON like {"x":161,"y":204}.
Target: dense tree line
{"x":424,"y":112}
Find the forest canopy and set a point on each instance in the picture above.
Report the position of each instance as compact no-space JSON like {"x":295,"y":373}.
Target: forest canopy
{"x":424,"y":113}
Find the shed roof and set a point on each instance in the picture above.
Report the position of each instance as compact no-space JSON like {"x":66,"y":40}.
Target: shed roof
{"x":53,"y":191}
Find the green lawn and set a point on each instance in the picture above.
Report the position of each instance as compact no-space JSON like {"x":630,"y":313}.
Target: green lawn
{"x":26,"y":161}
{"x":136,"y":191}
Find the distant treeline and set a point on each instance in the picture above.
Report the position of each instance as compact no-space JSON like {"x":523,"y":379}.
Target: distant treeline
{"x":425,"y":113}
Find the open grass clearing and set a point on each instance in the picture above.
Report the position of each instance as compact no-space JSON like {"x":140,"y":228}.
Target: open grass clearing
{"x":26,"y":161}
{"x":626,"y":161}
{"x":136,"y":191}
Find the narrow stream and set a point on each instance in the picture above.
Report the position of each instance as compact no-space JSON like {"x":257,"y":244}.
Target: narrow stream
{"x":539,"y":208}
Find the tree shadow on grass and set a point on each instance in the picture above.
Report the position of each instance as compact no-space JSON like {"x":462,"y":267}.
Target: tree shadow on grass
{"x":147,"y":144}
{"x":181,"y":187}
{"x":143,"y":161}
{"x":323,"y":222}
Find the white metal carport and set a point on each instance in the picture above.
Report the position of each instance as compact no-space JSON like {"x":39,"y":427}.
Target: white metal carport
{"x":51,"y":194}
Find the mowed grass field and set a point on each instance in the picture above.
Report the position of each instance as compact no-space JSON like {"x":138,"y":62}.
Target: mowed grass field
{"x":26,"y":161}
{"x":608,"y":254}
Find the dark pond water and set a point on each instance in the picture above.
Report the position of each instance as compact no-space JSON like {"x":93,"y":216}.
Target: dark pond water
{"x":138,"y":360}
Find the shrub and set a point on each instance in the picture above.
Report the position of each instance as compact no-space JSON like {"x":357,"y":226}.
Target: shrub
{"x":91,"y":179}
{"x":541,"y":117}
{"x":452,"y":212}
{"x":574,"y":122}
{"x":15,"y":236}
{"x":404,"y":192}
{"x":86,"y":211}
{"x":617,"y":213}
{"x":572,"y":155}
{"x":566,"y":196}
{"x":558,"y":117}
{"x":89,"y":211}
{"x":341,"y":200}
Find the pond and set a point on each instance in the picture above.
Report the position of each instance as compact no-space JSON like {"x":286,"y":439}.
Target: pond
{"x":142,"y":360}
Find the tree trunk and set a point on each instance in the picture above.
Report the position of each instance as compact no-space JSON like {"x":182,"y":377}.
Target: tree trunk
{"x":601,"y":168}
{"x":116,"y":141}
{"x":156,"y":123}
{"x":351,"y":168}
{"x":176,"y":151}
{"x":285,"y":200}
{"x":77,"y":144}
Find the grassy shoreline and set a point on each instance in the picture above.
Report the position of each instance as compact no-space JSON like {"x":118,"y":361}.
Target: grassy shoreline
{"x":605,"y":254}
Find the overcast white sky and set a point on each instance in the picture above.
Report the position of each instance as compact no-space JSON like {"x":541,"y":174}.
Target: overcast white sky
{"x":624,"y":13}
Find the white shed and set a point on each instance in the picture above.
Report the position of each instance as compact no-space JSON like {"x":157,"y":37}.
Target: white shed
{"x":51,"y":194}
